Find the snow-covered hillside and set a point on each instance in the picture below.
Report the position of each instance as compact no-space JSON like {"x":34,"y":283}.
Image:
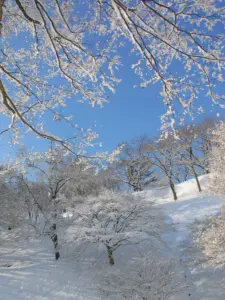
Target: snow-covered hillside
{"x":28,"y":269}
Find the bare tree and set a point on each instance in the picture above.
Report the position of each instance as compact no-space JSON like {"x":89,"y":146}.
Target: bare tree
{"x":190,"y":153}
{"x":164,"y":155}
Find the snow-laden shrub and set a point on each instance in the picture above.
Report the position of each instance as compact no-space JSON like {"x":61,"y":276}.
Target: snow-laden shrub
{"x":146,"y":278}
{"x":210,"y":238}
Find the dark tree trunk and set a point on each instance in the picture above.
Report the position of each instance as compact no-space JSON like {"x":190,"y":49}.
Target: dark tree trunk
{"x":193,"y":170}
{"x":135,"y":188}
{"x":54,"y":238}
{"x":110,"y":256}
{"x":196,"y":178}
{"x":172,"y":186}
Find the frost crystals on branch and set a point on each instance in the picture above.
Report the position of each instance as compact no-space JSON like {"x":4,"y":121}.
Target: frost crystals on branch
{"x":52,"y":51}
{"x":46,"y":59}
{"x":177,"y":44}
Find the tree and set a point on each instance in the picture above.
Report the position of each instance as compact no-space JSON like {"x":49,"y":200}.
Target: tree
{"x":44,"y":211}
{"x":163,"y":154}
{"x":147,"y":278}
{"x":205,"y":141}
{"x":196,"y":144}
{"x":57,"y":42}
{"x":209,"y":236}
{"x":190,"y":155}
{"x":53,"y":171}
{"x":91,"y":181}
{"x":134,"y":167}
{"x":12,"y":206}
{"x":114,"y":220}
{"x":72,"y":48}
{"x":181,"y":173}
{"x":162,"y":33}
{"x":217,"y":160}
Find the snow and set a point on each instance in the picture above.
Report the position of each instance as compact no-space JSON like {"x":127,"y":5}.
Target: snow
{"x":190,"y":206}
{"x":28,"y":269}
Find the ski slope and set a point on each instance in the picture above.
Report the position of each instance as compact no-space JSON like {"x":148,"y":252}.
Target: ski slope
{"x":28,"y":269}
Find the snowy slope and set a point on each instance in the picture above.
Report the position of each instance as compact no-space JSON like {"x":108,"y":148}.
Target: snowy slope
{"x":204,"y":283}
{"x":28,"y":269}
{"x":190,"y":206}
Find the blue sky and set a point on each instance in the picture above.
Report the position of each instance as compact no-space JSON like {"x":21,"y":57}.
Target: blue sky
{"x":131,"y":112}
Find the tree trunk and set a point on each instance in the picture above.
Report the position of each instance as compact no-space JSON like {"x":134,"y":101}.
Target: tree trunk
{"x":193,"y":170}
{"x":196,"y":178}
{"x":172,"y":186}
{"x":54,"y":238}
{"x":135,"y":189}
{"x":110,"y":256}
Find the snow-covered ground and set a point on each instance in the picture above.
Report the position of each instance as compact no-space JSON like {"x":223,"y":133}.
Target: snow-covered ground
{"x":28,"y":269}
{"x":204,"y":283}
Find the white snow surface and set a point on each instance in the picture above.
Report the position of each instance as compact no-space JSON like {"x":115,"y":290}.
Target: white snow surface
{"x":28,"y":269}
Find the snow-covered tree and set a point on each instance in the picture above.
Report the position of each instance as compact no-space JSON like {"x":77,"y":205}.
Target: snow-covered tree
{"x":12,"y":205}
{"x":164,"y":34}
{"x":205,"y":141}
{"x":189,"y":154}
{"x":12,"y":208}
{"x":196,"y":144}
{"x":71,"y":49}
{"x":114,"y":219}
{"x":55,"y":62}
{"x":164,"y":156}
{"x":217,"y":159}
{"x":134,"y":167}
{"x":44,"y":194}
{"x":147,"y":278}
{"x":210,"y":235}
{"x":90,"y":182}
